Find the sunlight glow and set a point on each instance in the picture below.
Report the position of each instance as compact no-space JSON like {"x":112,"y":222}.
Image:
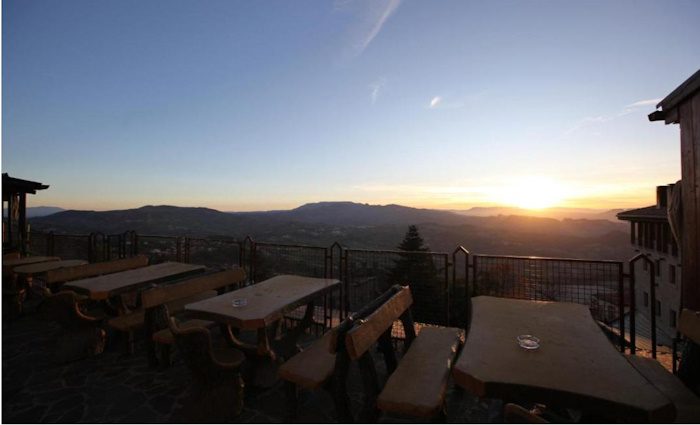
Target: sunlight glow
{"x":532,"y":193}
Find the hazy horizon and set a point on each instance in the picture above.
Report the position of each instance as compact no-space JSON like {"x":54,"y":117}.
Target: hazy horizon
{"x":526,"y":211}
{"x":241,"y":106}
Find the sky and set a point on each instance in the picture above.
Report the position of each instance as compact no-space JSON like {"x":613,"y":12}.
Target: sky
{"x":239,"y":105}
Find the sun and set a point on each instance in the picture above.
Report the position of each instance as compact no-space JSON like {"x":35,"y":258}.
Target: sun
{"x":532,"y":193}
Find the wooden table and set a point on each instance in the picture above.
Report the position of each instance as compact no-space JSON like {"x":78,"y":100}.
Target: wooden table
{"x":110,"y":285}
{"x":575,"y":366}
{"x":13,"y":290}
{"x":267,"y":302}
{"x":9,"y":265}
{"x":29,"y":271}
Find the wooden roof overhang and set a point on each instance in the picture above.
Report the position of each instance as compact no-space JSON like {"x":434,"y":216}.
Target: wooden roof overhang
{"x":12,"y":186}
{"x":669,"y":110}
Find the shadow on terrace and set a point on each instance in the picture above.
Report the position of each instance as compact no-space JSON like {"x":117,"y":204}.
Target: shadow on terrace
{"x":175,"y":329}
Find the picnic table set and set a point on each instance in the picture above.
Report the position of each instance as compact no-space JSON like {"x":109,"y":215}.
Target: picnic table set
{"x":515,"y":350}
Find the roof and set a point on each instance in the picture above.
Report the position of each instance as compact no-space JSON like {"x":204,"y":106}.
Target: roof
{"x":12,"y":185}
{"x":651,"y":213}
{"x":682,"y":92}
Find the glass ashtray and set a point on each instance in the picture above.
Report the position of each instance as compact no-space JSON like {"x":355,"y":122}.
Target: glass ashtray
{"x":239,"y":302}
{"x":528,"y":342}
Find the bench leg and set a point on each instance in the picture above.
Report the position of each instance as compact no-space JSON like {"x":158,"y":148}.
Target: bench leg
{"x":339,"y":387}
{"x":370,"y":382}
{"x":292,"y":393}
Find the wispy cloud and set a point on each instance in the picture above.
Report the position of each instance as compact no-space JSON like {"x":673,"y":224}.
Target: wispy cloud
{"x":646,"y":102}
{"x":371,"y":17}
{"x":626,"y":110}
{"x":376,"y":87}
{"x":439,"y":102}
{"x":434,"y":102}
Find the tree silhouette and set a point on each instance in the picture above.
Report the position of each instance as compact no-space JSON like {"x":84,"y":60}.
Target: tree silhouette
{"x":415,"y":267}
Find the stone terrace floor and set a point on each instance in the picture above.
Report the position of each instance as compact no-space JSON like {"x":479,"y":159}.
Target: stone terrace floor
{"x":115,"y":387}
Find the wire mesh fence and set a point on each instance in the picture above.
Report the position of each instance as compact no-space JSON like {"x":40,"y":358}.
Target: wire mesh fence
{"x":159,"y":248}
{"x":596,"y":284}
{"x":368,"y":273}
{"x":72,"y":246}
{"x":211,"y":252}
{"x":441,"y":283}
{"x":274,"y":259}
{"x":39,"y":243}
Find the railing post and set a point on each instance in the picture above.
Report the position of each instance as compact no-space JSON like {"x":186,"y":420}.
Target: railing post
{"x":633,"y":312}
{"x":621,"y":306}
{"x":652,"y":294}
{"x":447,"y":289}
{"x":467,"y":302}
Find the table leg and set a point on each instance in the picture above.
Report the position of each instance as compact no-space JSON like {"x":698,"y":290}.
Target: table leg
{"x":287,"y":346}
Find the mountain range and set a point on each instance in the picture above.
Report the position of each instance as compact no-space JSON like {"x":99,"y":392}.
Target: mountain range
{"x":362,"y":226}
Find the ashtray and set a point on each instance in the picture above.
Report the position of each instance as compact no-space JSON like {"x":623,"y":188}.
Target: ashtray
{"x":239,"y":302}
{"x":528,"y":342}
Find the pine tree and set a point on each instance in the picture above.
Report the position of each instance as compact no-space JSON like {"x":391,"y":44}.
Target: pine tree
{"x":414,"y":266}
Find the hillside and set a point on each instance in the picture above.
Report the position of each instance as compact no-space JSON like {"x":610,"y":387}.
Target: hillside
{"x":362,"y":226}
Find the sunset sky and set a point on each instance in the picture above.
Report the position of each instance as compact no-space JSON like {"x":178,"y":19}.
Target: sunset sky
{"x":260,"y":105}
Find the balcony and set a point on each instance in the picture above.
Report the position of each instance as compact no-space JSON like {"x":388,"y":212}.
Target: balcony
{"x":114,"y":387}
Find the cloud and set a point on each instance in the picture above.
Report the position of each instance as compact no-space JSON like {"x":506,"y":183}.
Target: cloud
{"x":626,"y":110}
{"x":371,"y":15}
{"x":646,"y":102}
{"x":438,"y":102}
{"x":376,"y":87}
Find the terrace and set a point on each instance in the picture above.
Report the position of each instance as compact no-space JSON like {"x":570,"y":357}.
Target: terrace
{"x":117,"y":387}
{"x":589,"y":366}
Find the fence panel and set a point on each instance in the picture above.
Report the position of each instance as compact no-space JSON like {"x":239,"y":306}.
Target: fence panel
{"x":212,"y":252}
{"x":38,"y":243}
{"x":158,"y":248}
{"x":274,"y":259}
{"x":596,"y":284}
{"x":72,"y":247}
{"x":367,"y":273}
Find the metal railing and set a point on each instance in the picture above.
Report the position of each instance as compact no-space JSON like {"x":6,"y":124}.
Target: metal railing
{"x":441,"y":283}
{"x":598,"y":284}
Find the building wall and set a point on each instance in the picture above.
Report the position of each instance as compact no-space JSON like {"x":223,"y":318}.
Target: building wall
{"x":667,"y":289}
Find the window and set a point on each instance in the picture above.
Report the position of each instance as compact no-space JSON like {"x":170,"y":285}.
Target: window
{"x":646,"y":299}
{"x":658,"y":308}
{"x":646,"y":266}
{"x":672,"y":274}
{"x":672,"y":318}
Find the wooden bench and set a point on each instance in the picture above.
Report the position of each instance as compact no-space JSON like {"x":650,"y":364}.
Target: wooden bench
{"x":417,"y":386}
{"x":160,"y":303}
{"x":55,"y":278}
{"x":83,"y":334}
{"x":217,"y":394}
{"x":687,"y":404}
{"x":315,"y":367}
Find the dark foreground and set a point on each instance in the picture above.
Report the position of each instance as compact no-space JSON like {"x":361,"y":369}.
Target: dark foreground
{"x":115,"y":387}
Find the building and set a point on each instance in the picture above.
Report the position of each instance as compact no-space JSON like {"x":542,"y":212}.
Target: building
{"x":14,"y":218}
{"x":682,"y":107}
{"x":651,"y":235}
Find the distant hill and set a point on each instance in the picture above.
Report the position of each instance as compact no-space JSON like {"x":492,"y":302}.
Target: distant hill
{"x":557,"y":212}
{"x":362,"y":226}
{"x":41,"y":211}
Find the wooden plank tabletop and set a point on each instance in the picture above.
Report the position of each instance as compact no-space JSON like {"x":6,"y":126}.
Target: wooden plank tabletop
{"x":267,"y":301}
{"x":575,"y":365}
{"x":38,"y":268}
{"x":8,"y":265}
{"x":109,"y":285}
